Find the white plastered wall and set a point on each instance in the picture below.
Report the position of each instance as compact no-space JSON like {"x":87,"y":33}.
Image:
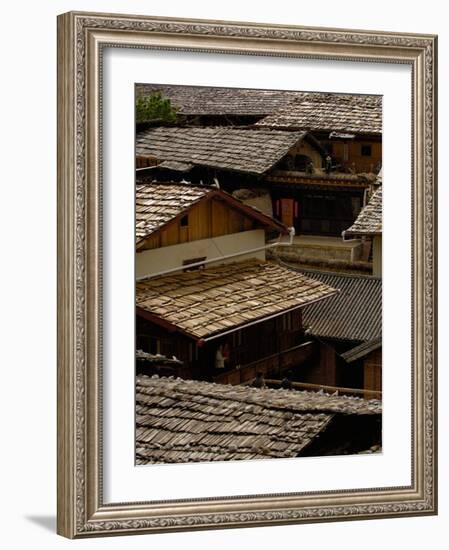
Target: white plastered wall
{"x":169,"y":257}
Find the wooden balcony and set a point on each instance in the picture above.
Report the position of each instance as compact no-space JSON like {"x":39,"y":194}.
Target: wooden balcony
{"x":272,"y":365}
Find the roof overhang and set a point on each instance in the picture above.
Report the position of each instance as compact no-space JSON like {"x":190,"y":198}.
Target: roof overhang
{"x":171,"y":327}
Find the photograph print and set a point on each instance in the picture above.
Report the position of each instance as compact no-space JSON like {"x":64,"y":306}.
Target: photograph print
{"x":258,"y":234}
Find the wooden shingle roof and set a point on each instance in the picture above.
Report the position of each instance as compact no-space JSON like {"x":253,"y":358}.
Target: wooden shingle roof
{"x":358,"y":114}
{"x":369,"y":221}
{"x":199,"y":100}
{"x":354,"y":314}
{"x":159,"y":203}
{"x":223,"y":298}
{"x":191,"y":421}
{"x":241,"y":149}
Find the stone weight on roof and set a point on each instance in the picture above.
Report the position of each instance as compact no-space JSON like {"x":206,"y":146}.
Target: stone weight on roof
{"x":190,"y":421}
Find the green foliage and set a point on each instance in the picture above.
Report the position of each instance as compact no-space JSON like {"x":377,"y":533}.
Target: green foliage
{"x":155,"y":107}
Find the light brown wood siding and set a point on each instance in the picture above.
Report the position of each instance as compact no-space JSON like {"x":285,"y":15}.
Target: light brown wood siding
{"x":220,"y":217}
{"x":353,"y":158}
{"x":207,"y":219}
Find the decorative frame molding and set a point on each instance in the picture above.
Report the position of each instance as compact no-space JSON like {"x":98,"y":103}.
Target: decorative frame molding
{"x":81,"y":38}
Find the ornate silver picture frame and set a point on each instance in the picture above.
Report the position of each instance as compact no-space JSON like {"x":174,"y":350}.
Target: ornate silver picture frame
{"x":82,"y":510}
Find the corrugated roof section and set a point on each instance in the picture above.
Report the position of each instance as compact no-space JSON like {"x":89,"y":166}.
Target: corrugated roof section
{"x":362,"y":350}
{"x":191,"y":421}
{"x":355,"y":313}
{"x":244,"y":150}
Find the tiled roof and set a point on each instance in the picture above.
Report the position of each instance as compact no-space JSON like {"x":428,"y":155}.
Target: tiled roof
{"x":369,"y":221}
{"x":362,"y":350}
{"x":197,"y":100}
{"x":355,"y":313}
{"x":217,"y":299}
{"x":191,"y":421}
{"x":241,"y":149}
{"x":329,"y":112}
{"x":159,"y":203}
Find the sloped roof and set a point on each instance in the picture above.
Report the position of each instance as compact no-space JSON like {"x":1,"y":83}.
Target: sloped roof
{"x":208,"y":302}
{"x":199,"y":100}
{"x":355,"y":313}
{"x":359,"y":114}
{"x":191,"y":421}
{"x":159,"y":203}
{"x":369,"y":221}
{"x":229,"y":148}
{"x":362,"y":350}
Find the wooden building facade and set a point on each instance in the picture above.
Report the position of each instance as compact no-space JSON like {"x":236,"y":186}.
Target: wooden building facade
{"x":272,"y":348}
{"x":348,"y":332}
{"x":226,"y":315}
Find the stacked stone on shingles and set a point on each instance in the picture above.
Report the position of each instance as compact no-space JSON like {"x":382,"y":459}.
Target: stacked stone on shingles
{"x":180,"y":421}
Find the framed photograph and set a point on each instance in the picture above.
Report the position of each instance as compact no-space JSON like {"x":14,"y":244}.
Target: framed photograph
{"x":246,"y":274}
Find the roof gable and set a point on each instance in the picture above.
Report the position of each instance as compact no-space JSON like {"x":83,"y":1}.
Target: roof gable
{"x":158,"y":204}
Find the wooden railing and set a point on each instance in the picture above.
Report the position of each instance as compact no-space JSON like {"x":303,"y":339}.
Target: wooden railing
{"x":273,"y":364}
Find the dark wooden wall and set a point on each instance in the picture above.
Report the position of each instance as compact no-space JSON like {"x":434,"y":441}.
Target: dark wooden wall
{"x":372,"y":371}
{"x":258,"y":344}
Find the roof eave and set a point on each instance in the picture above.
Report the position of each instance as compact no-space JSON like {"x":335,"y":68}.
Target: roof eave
{"x":356,"y":233}
{"x":218,"y":334}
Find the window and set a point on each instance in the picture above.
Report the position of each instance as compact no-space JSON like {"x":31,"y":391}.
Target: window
{"x":303,"y":163}
{"x":185,"y":221}
{"x":366,"y":150}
